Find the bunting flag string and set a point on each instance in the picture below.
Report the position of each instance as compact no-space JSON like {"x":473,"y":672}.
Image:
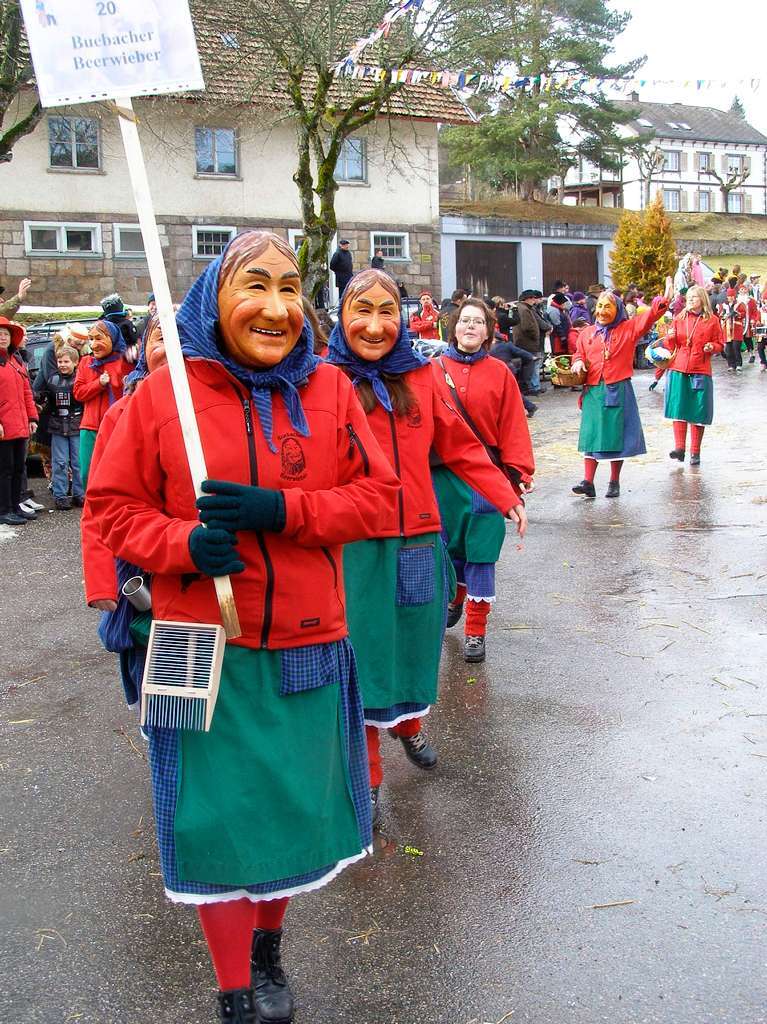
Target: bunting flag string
{"x":477,"y":82}
{"x":399,"y":8}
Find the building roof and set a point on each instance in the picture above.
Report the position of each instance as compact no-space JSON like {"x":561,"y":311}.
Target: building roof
{"x":702,"y":124}
{"x":236,"y":71}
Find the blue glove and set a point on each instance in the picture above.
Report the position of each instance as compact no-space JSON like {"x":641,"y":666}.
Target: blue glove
{"x":214,"y":552}
{"x":236,"y":507}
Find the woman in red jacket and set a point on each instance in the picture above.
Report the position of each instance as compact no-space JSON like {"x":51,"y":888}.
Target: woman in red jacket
{"x":99,"y":384}
{"x":100,"y":576}
{"x":426,"y":321}
{"x":18,"y":421}
{"x":397,"y":584}
{"x":273,"y":800}
{"x":488,"y":397}
{"x":611,"y":430}
{"x":696,"y":334}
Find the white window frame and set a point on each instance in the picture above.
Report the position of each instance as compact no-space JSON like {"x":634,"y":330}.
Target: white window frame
{"x":117,"y":230}
{"x":709,"y":161}
{"x":215,"y":173}
{"x":740,"y":196}
{"x":667,"y":153}
{"x":98,"y":169}
{"x":293,"y":235}
{"x":61,"y":227}
{"x":673,"y":192}
{"x":197,"y":228}
{"x":709,"y":198}
{"x":405,"y":235}
{"x":354,"y":181}
{"x":741,"y":162}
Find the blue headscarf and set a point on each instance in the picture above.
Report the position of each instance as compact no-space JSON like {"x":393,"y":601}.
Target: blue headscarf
{"x":141,"y":370}
{"x":402,"y":358}
{"x":619,"y":317}
{"x":118,"y":345}
{"x":453,"y":352}
{"x":197,"y":321}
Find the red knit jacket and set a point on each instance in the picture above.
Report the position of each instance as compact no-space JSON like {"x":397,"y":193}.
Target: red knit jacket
{"x":491,"y":395}
{"x":688,"y":334}
{"x":291,"y":592}
{"x":94,"y":396}
{"x":614,"y":361}
{"x":99,"y":572}
{"x":407,"y":441}
{"x":17,"y":406}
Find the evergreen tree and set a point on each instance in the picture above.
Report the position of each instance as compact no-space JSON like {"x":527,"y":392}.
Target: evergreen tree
{"x":737,"y":108}
{"x":525,"y":137}
{"x":644,"y":252}
{"x":15,"y":75}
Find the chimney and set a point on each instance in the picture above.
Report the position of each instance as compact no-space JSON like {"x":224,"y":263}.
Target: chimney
{"x":634,"y":96}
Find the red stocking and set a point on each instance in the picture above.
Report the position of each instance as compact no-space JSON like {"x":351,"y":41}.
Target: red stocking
{"x":410,"y":727}
{"x":476,"y":618}
{"x":696,"y":439}
{"x":374,"y":755}
{"x":589,"y":470}
{"x":269,"y":914}
{"x":460,"y":595}
{"x":680,"y":434}
{"x":615,"y":470}
{"x":228,"y":930}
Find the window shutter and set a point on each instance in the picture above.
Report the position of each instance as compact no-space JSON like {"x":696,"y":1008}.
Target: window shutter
{"x":724,"y":164}
{"x":746,"y":164}
{"x":683,"y":205}
{"x":697,"y":161}
{"x":748,"y":204}
{"x":696,"y":198}
{"x":682,"y":161}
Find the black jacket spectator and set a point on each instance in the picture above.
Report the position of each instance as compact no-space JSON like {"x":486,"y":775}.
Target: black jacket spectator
{"x":342,"y":266}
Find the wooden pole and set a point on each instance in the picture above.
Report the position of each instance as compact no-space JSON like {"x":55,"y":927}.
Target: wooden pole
{"x":179,"y":379}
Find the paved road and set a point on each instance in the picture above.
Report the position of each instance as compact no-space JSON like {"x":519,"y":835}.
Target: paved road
{"x":612,"y":750}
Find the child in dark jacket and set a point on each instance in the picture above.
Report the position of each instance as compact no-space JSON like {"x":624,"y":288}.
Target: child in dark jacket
{"x":64,"y":424}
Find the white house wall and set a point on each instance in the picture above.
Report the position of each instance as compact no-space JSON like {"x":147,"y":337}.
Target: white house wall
{"x":402,"y":182}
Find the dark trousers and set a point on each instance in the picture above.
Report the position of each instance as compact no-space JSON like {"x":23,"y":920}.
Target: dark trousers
{"x":760,"y":346}
{"x":11,"y":472}
{"x":732,"y":354}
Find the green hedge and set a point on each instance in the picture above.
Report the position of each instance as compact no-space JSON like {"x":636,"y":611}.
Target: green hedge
{"x":56,"y":314}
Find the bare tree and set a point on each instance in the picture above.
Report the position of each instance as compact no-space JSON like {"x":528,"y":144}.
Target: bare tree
{"x":298,"y":43}
{"x":649,"y":158}
{"x":728,"y":183}
{"x":15,"y":77}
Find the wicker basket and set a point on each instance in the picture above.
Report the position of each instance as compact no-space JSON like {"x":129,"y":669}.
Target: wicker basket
{"x":567,"y":378}
{"x":661,"y":364}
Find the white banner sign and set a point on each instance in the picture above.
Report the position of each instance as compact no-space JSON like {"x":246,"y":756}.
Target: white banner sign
{"x":85,"y":50}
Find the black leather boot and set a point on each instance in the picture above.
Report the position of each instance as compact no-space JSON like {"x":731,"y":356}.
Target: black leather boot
{"x":236,"y":1006}
{"x":677,"y":453}
{"x":454,"y":613}
{"x":613,"y":489}
{"x":418,"y":749}
{"x":585,"y":488}
{"x":274,"y":1000}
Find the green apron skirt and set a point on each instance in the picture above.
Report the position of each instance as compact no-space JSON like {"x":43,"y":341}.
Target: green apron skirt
{"x":689,"y":397}
{"x":397,"y":590}
{"x":87,"y":444}
{"x":610,"y":425}
{"x":474,"y":530}
{"x":274,"y":800}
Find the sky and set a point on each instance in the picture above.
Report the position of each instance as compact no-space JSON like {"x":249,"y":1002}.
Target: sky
{"x":685,"y":40}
